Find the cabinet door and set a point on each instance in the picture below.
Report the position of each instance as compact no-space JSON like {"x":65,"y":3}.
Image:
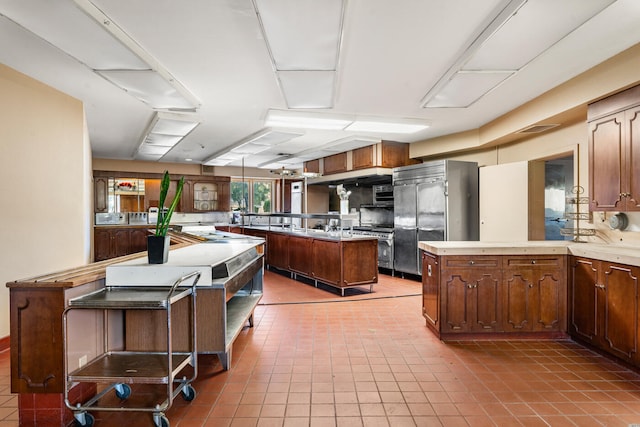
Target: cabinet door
{"x":430,"y":288}
{"x":138,"y":240}
{"x":534,"y":289}
{"x":326,"y":261}
{"x":620,"y":322}
{"x":362,"y":157}
{"x":101,"y":244}
{"x":606,"y":148}
{"x":278,"y":253}
{"x":121,"y":240}
{"x":101,"y":194}
{"x":300,"y":255}
{"x":583,"y":291}
{"x":632,"y":160}
{"x":471,"y":294}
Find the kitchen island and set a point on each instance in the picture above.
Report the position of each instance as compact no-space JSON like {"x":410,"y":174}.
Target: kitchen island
{"x":37,"y":336}
{"x":335,"y":258}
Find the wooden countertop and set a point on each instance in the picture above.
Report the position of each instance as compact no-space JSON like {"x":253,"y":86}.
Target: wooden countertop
{"x":623,"y":254}
{"x":82,"y":275}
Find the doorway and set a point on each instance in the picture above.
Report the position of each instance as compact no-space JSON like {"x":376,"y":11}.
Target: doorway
{"x":558,"y":185}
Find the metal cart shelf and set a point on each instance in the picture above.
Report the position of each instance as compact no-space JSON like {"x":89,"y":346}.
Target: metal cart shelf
{"x":121,"y":368}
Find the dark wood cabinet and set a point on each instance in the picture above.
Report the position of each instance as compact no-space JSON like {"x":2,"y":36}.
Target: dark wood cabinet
{"x":614,"y":149}
{"x":101,"y":194}
{"x":335,"y":163}
{"x":471,"y":294}
{"x":200,"y":193}
{"x":337,"y":262}
{"x":431,"y":290}
{"x":278,"y":253}
{"x":300,"y":257}
{"x":502,"y":295}
{"x":604,"y":306}
{"x":112,"y":242}
{"x":363,"y":157}
{"x":327,"y":265}
{"x":534,"y":293}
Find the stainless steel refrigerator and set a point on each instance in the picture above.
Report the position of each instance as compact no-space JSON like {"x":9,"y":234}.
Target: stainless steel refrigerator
{"x":432,"y":201}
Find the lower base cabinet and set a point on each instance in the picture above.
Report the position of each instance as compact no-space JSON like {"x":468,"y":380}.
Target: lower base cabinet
{"x":340,"y":263}
{"x":118,"y":241}
{"x":504,"y":295}
{"x":604,"y":306}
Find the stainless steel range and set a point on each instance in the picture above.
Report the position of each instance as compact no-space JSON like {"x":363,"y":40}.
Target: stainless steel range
{"x":385,"y":243}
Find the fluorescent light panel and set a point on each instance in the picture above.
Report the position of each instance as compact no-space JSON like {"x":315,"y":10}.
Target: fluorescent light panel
{"x":385,"y":127}
{"x":164,"y":132}
{"x":293,"y":119}
{"x":109,"y":51}
{"x":302,"y":34}
{"x":520,"y":39}
{"x":309,"y":120}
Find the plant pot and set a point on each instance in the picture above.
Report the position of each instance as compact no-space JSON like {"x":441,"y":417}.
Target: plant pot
{"x":158,"y":249}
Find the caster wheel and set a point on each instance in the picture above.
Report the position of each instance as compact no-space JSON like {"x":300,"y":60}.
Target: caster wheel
{"x":123,"y":391}
{"x":164,"y":422}
{"x":188,"y":393}
{"x":85,"y":420}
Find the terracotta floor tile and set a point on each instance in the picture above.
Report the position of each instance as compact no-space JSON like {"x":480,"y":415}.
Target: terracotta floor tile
{"x":359,"y":362}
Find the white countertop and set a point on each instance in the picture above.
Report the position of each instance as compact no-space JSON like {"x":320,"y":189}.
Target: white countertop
{"x":181,"y":262}
{"x":623,"y":254}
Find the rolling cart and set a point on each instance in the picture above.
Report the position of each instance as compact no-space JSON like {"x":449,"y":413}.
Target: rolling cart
{"x":118,"y":369}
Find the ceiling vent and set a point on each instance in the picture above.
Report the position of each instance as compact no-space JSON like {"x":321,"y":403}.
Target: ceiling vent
{"x":208,"y":170}
{"x":538,"y":128}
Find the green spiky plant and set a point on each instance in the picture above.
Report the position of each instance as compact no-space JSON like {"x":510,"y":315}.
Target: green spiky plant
{"x":162,"y":226}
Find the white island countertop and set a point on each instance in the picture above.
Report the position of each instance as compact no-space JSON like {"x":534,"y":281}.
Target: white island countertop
{"x":619,"y":253}
{"x":181,"y":262}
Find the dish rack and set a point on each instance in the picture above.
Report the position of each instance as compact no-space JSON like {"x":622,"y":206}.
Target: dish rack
{"x":573,"y":212}
{"x":119,"y":369}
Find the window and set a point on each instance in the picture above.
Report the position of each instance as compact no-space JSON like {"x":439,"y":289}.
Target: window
{"x":252,"y":195}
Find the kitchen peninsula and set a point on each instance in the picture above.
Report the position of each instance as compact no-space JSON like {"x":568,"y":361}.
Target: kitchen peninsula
{"x":535,"y":289}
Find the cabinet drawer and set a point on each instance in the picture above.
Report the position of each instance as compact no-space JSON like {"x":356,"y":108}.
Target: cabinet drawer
{"x":472,"y":262}
{"x":532,"y":261}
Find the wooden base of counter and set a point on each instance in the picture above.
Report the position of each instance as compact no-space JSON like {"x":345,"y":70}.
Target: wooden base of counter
{"x":339,"y":263}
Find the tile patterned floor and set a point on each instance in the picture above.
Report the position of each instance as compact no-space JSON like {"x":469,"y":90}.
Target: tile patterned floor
{"x":371,"y":363}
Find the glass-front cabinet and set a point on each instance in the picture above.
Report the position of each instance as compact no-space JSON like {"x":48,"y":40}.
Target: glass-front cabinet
{"x":125,"y":192}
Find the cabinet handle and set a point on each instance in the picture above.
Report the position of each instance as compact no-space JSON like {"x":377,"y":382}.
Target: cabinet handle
{"x":530,"y":285}
{"x":471,"y":262}
{"x":533,"y":261}
{"x":472,"y":286}
{"x":600,"y":286}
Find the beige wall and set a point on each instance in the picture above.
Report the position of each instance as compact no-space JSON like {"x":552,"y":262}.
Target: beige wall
{"x":45,"y":170}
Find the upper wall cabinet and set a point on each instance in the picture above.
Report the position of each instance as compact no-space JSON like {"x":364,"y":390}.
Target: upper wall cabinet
{"x":386,"y":154}
{"x":138,"y":192}
{"x":614,"y":148}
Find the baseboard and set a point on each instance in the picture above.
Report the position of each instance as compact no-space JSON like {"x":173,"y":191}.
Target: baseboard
{"x":5,"y":343}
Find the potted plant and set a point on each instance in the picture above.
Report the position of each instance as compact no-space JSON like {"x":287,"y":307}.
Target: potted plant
{"x":158,"y":244}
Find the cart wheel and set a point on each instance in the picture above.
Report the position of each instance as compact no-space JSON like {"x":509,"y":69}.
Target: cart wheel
{"x":123,"y":391}
{"x":188,"y":393}
{"x":88,"y":420}
{"x":164,"y":421}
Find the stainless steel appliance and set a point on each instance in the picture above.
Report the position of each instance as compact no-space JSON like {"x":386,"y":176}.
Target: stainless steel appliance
{"x":433,"y":201}
{"x":377,"y":221}
{"x":383,"y":195}
{"x":296,"y":201}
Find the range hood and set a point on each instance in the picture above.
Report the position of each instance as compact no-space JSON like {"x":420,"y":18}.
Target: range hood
{"x":364,"y":177}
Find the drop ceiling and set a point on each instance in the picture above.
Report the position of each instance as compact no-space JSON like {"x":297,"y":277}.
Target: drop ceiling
{"x":223,"y":67}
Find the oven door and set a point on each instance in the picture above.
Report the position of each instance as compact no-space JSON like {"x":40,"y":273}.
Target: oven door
{"x":385,"y":253}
